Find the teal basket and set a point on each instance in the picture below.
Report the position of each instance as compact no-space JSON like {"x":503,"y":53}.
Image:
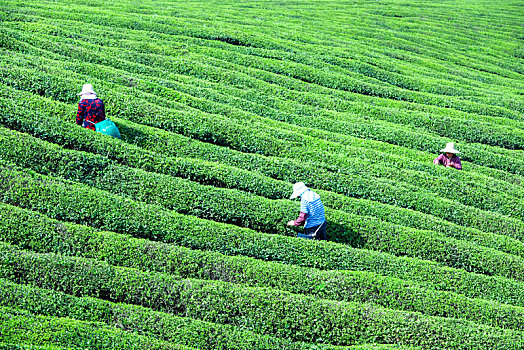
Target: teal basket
{"x":107,"y":127}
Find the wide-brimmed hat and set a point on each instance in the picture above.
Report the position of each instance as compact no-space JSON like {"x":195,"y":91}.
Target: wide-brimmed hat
{"x":87,"y":89}
{"x":298,"y":189}
{"x":450,"y":148}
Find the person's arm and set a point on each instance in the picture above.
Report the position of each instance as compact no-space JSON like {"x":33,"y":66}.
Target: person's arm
{"x":456,"y":163}
{"x":80,"y":114}
{"x":302,"y":216}
{"x":438,"y":160}
{"x":299,"y":221}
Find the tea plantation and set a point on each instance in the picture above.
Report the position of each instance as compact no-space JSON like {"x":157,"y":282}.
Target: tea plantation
{"x":175,"y":235}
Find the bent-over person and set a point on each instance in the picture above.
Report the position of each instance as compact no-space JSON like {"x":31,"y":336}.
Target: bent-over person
{"x":90,"y":108}
{"x":449,"y":157}
{"x":312,"y":214}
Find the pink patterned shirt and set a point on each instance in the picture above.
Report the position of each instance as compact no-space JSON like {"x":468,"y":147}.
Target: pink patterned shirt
{"x":453,"y":161}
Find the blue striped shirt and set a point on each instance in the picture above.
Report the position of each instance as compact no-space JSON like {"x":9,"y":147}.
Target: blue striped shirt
{"x":311,"y":204}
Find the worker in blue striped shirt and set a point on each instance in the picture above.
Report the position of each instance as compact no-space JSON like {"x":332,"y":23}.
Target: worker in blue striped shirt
{"x":311,"y":212}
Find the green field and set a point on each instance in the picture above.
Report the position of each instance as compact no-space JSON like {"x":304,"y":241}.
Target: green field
{"x":175,"y":235}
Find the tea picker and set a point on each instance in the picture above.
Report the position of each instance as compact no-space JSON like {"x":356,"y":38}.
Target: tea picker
{"x":311,"y":213}
{"x":91,"y":113}
{"x":449,"y":157}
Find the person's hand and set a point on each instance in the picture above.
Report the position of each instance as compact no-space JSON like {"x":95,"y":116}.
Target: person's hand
{"x":291,"y":223}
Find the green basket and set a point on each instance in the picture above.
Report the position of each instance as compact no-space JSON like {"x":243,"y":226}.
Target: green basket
{"x":107,"y":127}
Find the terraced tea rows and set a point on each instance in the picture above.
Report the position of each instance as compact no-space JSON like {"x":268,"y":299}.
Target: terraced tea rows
{"x":175,"y":236}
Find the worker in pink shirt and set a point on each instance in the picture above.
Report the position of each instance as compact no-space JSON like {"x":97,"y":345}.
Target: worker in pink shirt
{"x":449,"y":157}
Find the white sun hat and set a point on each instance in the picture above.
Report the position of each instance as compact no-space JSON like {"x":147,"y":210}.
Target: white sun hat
{"x":298,"y":189}
{"x":87,"y":89}
{"x":450,"y":148}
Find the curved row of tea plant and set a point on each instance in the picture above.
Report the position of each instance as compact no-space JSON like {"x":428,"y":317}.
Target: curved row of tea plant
{"x":218,"y":204}
{"x":24,"y":327}
{"x":205,"y":335}
{"x":47,"y":46}
{"x":490,"y":201}
{"x":66,"y":201}
{"x":481,"y":156}
{"x":128,"y":99}
{"x":364,"y":66}
{"x":269,"y":311}
{"x":31,"y":230}
{"x":140,"y":320}
{"x":162,"y":44}
{"x":19,"y":118}
{"x":323,"y":79}
{"x":222,"y":62}
{"x":83,"y":204}
{"x":289,"y":42}
{"x":263,"y":110}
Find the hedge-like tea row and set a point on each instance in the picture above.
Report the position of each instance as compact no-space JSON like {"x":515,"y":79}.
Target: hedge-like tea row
{"x":203,"y":335}
{"x":131,"y":108}
{"x":92,"y":36}
{"x":483,"y":198}
{"x":187,"y":197}
{"x":152,"y":115}
{"x":276,"y":169}
{"x":163,"y":143}
{"x":404,"y":39}
{"x":63,"y":201}
{"x":137,"y":36}
{"x":355,"y":117}
{"x":18,"y":118}
{"x":17,"y":326}
{"x":32,"y":299}
{"x":86,"y":205}
{"x":375,"y":69}
{"x":120,"y":78}
{"x":269,"y":311}
{"x":397,"y":48}
{"x":267,"y":105}
{"x":171,"y":328}
{"x":108,"y":147}
{"x":41,"y":234}
{"x":310,"y":43}
{"x":307,"y":74}
{"x":59,"y":91}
